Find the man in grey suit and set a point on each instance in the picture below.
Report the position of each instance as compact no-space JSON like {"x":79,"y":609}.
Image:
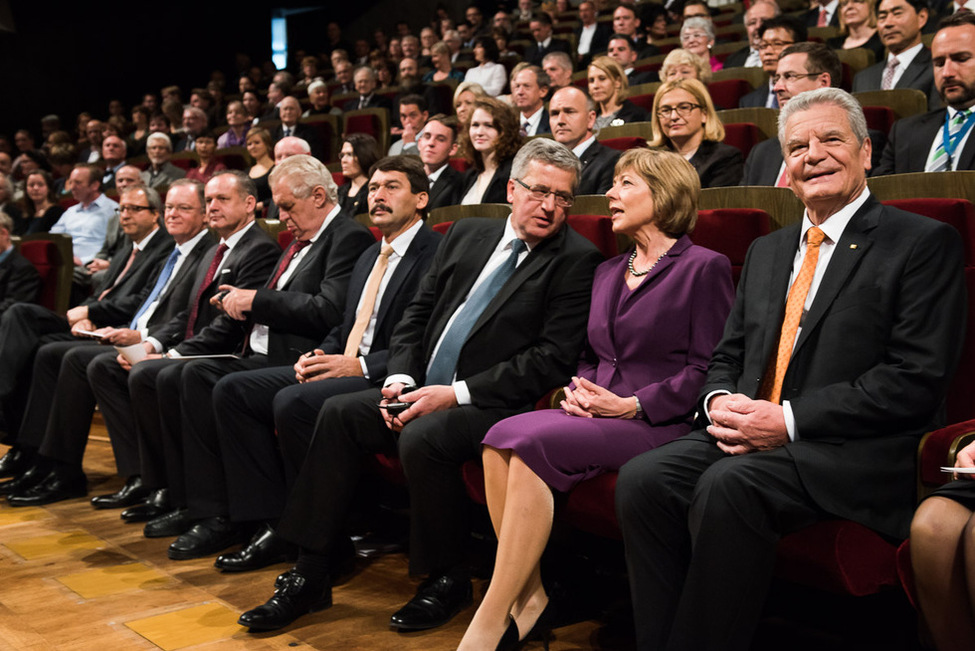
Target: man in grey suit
{"x":804,"y":420}
{"x":908,"y":62}
{"x":160,"y":172}
{"x":917,"y":143}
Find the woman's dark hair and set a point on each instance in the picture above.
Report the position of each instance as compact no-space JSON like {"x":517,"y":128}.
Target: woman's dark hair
{"x":491,"y":52}
{"x":29,"y":208}
{"x":365,"y":148}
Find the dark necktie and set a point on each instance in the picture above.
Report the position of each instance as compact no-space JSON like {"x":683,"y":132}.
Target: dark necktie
{"x":444,"y":364}
{"x":211,"y":271}
{"x":296,"y":246}
{"x":167,"y":271}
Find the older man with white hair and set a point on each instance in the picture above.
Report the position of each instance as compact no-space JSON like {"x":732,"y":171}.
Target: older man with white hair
{"x":160,"y":172}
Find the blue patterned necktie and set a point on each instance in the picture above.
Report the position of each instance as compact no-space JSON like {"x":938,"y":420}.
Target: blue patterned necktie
{"x":939,"y":162}
{"x":158,"y":287}
{"x":444,"y":364}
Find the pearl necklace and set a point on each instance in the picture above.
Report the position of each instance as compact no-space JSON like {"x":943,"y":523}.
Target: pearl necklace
{"x":634,"y":272}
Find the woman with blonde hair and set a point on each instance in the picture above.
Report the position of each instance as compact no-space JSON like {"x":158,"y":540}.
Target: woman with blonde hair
{"x":442,"y":69}
{"x":464,"y":96}
{"x":655,"y":315}
{"x":685,"y":122}
{"x":684,"y":64}
{"x":858,"y":28}
{"x":489,"y":143}
{"x":608,"y":87}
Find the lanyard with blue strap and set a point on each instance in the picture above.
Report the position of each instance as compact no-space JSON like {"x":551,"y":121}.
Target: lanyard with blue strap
{"x":951,"y":142}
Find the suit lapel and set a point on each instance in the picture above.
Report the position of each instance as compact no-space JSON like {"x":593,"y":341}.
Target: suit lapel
{"x":928,"y":130}
{"x":847,"y":254}
{"x":313,"y":250}
{"x":915,"y":70}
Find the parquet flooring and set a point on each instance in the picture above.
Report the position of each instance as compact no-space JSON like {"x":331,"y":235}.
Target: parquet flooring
{"x":74,"y":578}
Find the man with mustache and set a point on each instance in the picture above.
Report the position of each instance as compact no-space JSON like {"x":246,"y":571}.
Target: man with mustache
{"x":259,"y":411}
{"x":918,"y":143}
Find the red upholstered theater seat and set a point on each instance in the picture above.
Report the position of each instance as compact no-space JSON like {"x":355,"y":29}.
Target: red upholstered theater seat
{"x":338,"y":177}
{"x":43,"y":254}
{"x":644,"y":101}
{"x":598,"y":229}
{"x":730,"y":231}
{"x":881,"y":118}
{"x":727,"y":93}
{"x":459,"y":164}
{"x":376,"y":233}
{"x":233,"y":161}
{"x":364,"y":123}
{"x":624,"y":143}
{"x":743,"y":136}
{"x":959,"y":213}
{"x":442,"y":227}
{"x":285,"y":238}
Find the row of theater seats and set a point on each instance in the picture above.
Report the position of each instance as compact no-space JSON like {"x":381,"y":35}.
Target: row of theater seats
{"x":836,"y":556}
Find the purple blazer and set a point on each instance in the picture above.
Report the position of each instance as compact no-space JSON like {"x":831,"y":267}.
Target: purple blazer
{"x":659,"y":343}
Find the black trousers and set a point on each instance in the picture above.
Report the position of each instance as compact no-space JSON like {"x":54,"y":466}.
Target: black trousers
{"x":110,"y":384}
{"x":700,"y":529}
{"x":61,"y":403}
{"x":260,"y":415}
{"x":431,"y":448}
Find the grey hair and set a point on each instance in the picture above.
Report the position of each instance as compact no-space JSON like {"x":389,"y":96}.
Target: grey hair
{"x":160,"y":136}
{"x":304,"y":174}
{"x":774,"y":5}
{"x":6,"y":223}
{"x":561,"y":58}
{"x":699,"y":22}
{"x":546,"y":151}
{"x":369,"y":71}
{"x":198,"y":112}
{"x":836,"y":96}
{"x":197,"y":188}
{"x":151,"y":196}
{"x":7,"y":185}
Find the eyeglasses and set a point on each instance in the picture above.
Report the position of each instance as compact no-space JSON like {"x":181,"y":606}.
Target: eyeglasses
{"x":789,"y":77}
{"x":182,"y":208}
{"x":128,"y":207}
{"x":764,"y":45}
{"x":683,"y":110}
{"x":694,"y":36}
{"x":539,"y":193}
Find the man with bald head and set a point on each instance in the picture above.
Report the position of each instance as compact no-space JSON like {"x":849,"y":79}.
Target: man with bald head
{"x":365,"y":84}
{"x":114,"y":151}
{"x":94,"y":131}
{"x":572,"y":116}
{"x":748,"y":56}
{"x":289,"y":109}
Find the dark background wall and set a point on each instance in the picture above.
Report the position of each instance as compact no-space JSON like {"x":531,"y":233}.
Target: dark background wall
{"x":63,"y":58}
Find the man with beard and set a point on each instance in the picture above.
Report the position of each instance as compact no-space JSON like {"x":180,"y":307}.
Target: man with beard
{"x":160,"y":172}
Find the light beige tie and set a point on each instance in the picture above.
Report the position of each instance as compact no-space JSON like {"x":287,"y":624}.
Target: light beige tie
{"x":793,"y":310}
{"x":368,"y":302}
{"x":118,"y":279}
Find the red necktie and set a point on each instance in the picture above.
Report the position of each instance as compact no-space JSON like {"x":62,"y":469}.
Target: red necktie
{"x":822,"y":22}
{"x":286,"y":259}
{"x":211,"y":271}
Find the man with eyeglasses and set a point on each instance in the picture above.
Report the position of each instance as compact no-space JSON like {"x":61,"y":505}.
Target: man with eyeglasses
{"x":918,"y":143}
{"x":26,"y":329}
{"x":497,"y":321}
{"x":908,"y":62}
{"x":802,"y":67}
{"x":775,"y":35}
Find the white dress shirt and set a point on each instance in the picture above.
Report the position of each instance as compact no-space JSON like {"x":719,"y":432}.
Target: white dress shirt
{"x":184,"y":250}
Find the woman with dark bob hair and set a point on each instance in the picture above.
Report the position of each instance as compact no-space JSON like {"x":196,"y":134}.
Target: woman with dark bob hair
{"x":489,"y":143}
{"x":491,"y":75}
{"x":360,"y":151}
{"x":656,"y":313}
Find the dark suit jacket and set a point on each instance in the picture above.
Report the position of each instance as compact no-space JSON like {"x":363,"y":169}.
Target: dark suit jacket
{"x":765,"y":159}
{"x":757,"y":97}
{"x":636,"y":78}
{"x":737,"y":59}
{"x":306,"y":133}
{"x":19,"y":281}
{"x":919,"y":75}
{"x":871,"y":364}
{"x":718,"y":164}
{"x":497,"y":191}
{"x":312,"y":301}
{"x":630,"y":112}
{"x":527,"y":340}
{"x":598,"y":45}
{"x":812,"y":17}
{"x":910,"y":142}
{"x":248,"y":266}
{"x":122,"y":301}
{"x":376,"y":101}
{"x":534,"y":54}
{"x":598,"y":163}
{"x":354,"y":205}
{"x":543,"y":124}
{"x":399,"y":292}
{"x":445,"y":192}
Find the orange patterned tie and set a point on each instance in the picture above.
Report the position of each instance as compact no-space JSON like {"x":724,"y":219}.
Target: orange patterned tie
{"x":793,"y":310}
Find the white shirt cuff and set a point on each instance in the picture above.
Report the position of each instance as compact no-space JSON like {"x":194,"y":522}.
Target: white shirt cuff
{"x":790,"y":420}
{"x":156,"y":345}
{"x":461,"y":392}
{"x":399,"y":377}
{"x":365,"y":369}
{"x":174,"y":354}
{"x":707,"y":402}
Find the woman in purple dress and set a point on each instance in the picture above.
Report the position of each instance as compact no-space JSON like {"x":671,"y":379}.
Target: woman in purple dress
{"x":657,"y":312}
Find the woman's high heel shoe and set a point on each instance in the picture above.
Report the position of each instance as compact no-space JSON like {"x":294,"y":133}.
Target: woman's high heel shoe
{"x":509,"y":641}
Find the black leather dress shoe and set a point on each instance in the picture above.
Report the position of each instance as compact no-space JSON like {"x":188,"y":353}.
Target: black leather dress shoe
{"x":294,"y":596}
{"x":14,"y":463}
{"x":132,"y":493}
{"x":27,"y":479}
{"x":154,"y":505}
{"x":54,"y":488}
{"x":436,"y":601}
{"x":206,"y":537}
{"x":265,"y":548}
{"x":167,"y":525}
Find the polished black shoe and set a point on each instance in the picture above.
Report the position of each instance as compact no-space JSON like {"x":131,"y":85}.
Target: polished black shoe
{"x":374,"y":546}
{"x":206,"y":537}
{"x":132,"y":493}
{"x":294,"y":596}
{"x":436,"y":601}
{"x":54,"y":488}
{"x":14,"y":463}
{"x":167,"y":525}
{"x":27,"y":479}
{"x":156,"y":504}
{"x":265,"y":548}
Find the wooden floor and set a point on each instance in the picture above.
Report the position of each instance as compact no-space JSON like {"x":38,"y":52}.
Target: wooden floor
{"x":77,"y":578}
